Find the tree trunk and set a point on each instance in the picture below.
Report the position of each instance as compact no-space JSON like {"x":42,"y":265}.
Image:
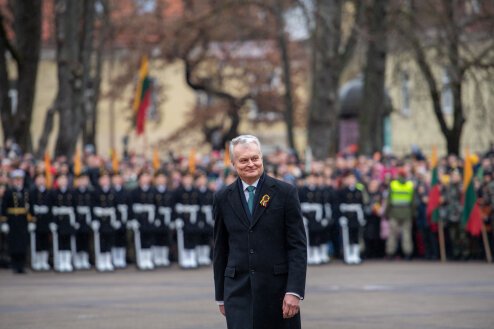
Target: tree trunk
{"x":27,"y":26}
{"x":70,"y":70}
{"x":323,"y":111}
{"x":287,"y":75}
{"x":5,"y":103}
{"x":45,"y":135}
{"x":374,"y":98}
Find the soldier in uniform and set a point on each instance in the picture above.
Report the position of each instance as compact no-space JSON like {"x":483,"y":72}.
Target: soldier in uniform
{"x":63,"y":224}
{"x":451,"y":213}
{"x":83,"y":196}
{"x":165,"y":205}
{"x":329,"y":202}
{"x":187,"y":224}
{"x":104,"y":223}
{"x":205,"y":220}
{"x":119,"y":250}
{"x":40,"y":237}
{"x":15,"y":216}
{"x":311,"y":201}
{"x":351,"y":218}
{"x":144,"y":215}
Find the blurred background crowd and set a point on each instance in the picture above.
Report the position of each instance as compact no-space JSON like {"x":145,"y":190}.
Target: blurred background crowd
{"x":411,"y":232}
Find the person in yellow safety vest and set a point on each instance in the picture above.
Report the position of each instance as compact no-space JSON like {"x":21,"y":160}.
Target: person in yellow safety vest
{"x":400,"y":213}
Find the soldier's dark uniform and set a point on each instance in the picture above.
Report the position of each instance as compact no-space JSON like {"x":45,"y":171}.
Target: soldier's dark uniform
{"x":329,"y":199}
{"x":63,"y":228}
{"x":15,"y":213}
{"x":188,"y":210}
{"x":165,"y":214}
{"x":205,"y":225}
{"x":119,"y":252}
{"x":144,"y":214}
{"x":311,"y":202}
{"x":83,"y":203}
{"x":104,"y":224}
{"x":350,"y":207}
{"x":40,"y":210}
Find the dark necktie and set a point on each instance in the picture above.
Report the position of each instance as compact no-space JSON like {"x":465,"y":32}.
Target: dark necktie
{"x":250,"y":202}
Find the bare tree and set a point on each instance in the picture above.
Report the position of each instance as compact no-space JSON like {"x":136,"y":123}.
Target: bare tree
{"x":25,"y":50}
{"x":443,"y":34}
{"x":331,"y":54}
{"x":372,"y":112}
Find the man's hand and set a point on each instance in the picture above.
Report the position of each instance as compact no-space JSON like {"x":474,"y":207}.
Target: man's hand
{"x":222,"y":309}
{"x":290,"y":306}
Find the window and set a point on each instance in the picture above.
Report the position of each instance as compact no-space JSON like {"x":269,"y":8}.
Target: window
{"x":446,"y":94}
{"x":405,"y":93}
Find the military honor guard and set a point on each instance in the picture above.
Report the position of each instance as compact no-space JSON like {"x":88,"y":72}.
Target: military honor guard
{"x":205,"y":221}
{"x":165,"y":204}
{"x":144,"y":215}
{"x":119,"y":250}
{"x":63,"y":224}
{"x":351,"y":218}
{"x":104,"y":223}
{"x":83,"y":197}
{"x":187,"y":223}
{"x":40,"y":235}
{"x":15,"y":217}
{"x":311,"y":202}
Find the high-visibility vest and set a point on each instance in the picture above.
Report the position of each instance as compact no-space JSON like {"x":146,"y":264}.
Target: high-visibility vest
{"x":401,"y":193}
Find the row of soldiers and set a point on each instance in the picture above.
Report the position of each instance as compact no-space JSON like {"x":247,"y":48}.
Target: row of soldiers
{"x":69,"y":222}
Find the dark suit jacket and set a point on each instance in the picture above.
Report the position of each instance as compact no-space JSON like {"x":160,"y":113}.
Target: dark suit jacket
{"x":257,"y":259}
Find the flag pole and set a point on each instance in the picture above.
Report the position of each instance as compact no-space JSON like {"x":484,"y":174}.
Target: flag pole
{"x":442,"y":245}
{"x":487,"y":247}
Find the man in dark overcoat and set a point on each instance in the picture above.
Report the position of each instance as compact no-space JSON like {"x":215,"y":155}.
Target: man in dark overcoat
{"x":260,"y":251}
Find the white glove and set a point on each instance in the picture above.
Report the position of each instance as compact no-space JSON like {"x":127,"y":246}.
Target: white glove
{"x":343,"y":221}
{"x":5,"y":228}
{"x":77,"y":226}
{"x":157,"y":223}
{"x":324,"y":222}
{"x":117,"y":225}
{"x":53,"y":227}
{"x":31,"y":227}
{"x":171,"y":226}
{"x":179,"y":223}
{"x":95,"y":225}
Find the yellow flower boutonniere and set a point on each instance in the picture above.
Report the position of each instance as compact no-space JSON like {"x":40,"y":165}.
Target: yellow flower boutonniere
{"x":264,"y":200}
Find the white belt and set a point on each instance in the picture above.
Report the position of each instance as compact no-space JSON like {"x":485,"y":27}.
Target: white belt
{"x":191,"y":209}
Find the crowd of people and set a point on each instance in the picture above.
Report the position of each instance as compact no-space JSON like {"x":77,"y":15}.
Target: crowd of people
{"x":73,"y":214}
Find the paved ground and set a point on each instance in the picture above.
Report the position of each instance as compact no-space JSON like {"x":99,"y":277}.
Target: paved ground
{"x":378,"y":295}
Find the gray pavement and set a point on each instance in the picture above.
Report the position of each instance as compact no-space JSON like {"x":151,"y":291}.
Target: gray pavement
{"x":378,"y":295}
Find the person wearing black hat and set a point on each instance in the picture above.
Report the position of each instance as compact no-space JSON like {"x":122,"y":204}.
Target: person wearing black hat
{"x":311,"y":202}
{"x":83,"y":196}
{"x":40,"y":235}
{"x":351,"y":217}
{"x":63,"y":226}
{"x":187,"y":224}
{"x":205,"y":220}
{"x":143,"y":216}
{"x":104,"y":222}
{"x":165,"y":205}
{"x":15,"y":216}
{"x":119,"y":250}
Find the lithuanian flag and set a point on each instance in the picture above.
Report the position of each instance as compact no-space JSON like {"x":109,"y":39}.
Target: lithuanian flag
{"x":115,"y":163}
{"x":435,"y":191}
{"x":192,"y":161}
{"x":471,"y":216}
{"x":142,"y":98}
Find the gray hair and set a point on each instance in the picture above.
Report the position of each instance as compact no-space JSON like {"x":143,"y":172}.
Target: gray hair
{"x":243,"y":139}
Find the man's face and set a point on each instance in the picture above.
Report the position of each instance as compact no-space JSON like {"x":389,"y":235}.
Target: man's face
{"x":63,"y":182}
{"x":160,"y":180}
{"x":104,"y":181}
{"x":18,"y":182}
{"x":248,"y":162}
